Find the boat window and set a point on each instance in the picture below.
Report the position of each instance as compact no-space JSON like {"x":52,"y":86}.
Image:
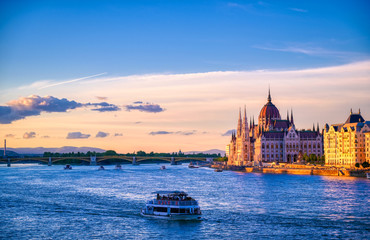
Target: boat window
{"x":160,"y":209}
{"x":174,"y":210}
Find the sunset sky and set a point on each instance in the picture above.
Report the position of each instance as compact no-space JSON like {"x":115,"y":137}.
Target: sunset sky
{"x":168,"y":75}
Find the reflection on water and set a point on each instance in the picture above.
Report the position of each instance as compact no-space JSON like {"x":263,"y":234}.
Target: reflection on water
{"x":41,"y":202}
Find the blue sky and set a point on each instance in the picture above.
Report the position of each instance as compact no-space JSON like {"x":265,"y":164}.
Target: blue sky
{"x":169,"y":75}
{"x":70,"y":39}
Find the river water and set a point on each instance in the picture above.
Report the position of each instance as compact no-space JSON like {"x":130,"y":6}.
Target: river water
{"x":41,"y":202}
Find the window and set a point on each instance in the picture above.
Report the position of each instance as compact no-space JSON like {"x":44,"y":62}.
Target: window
{"x":160,"y":209}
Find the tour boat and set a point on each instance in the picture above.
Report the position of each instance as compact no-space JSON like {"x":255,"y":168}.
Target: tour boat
{"x":218,"y":170}
{"x":118,"y":167}
{"x":163,"y":167}
{"x":68,"y":167}
{"x":101,"y":168}
{"x":172,"y":205}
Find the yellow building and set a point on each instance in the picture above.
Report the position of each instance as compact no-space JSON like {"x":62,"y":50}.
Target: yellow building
{"x":348,"y":143}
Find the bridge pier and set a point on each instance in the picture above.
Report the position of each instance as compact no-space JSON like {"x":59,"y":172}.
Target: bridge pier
{"x":173,"y":161}
{"x":134,"y":161}
{"x":8,"y":164}
{"x":49,"y":162}
{"x":92,"y":160}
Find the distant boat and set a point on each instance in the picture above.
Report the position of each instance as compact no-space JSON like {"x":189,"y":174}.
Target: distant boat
{"x":163,"y":167}
{"x":368,"y":175}
{"x":191,"y":165}
{"x":218,"y":170}
{"x":101,"y":168}
{"x":118,"y":167}
{"x":68,"y":167}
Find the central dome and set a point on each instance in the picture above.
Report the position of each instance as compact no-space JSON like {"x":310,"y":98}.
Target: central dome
{"x":269,"y":111}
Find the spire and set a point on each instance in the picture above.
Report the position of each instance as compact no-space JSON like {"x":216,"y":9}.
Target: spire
{"x":359,"y":111}
{"x":269,"y":96}
{"x":239,"y":129}
{"x":287,"y":115}
{"x":351,"y":111}
{"x":291,"y":116}
{"x":313,"y":127}
{"x":318,"y":128}
{"x":253,"y":120}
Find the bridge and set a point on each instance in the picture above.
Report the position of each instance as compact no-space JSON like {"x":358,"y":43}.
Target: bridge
{"x":94,"y":160}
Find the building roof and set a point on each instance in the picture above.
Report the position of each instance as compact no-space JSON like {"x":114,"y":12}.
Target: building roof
{"x":269,"y":111}
{"x":355,"y":118}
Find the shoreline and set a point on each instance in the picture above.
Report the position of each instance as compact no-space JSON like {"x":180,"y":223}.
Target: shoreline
{"x":298,"y":171}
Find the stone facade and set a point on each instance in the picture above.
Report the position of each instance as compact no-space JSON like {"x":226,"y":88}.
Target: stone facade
{"x":348,"y":143}
{"x":271,"y":140}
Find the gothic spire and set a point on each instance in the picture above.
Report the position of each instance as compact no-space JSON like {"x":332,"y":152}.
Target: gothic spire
{"x":269,"y":96}
{"x":291,"y":116}
{"x":239,"y":130}
{"x":318,"y":128}
{"x":287,"y":115}
{"x":313,"y":127}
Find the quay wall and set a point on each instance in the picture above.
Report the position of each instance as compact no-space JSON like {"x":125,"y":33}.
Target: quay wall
{"x":308,"y":171}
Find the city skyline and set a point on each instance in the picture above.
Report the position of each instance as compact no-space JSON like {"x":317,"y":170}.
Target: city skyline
{"x":163,"y":76}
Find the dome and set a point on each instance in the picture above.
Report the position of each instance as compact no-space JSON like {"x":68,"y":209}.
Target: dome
{"x":268,"y":111}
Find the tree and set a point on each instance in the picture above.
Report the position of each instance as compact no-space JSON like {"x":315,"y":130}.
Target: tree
{"x":365,"y":164}
{"x":357,"y":165}
{"x":110,"y":153}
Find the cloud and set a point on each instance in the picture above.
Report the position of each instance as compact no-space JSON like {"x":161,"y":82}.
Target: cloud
{"x":45,"y":136}
{"x":146,"y":107}
{"x":298,"y":10}
{"x":102,"y":135}
{"x":77,"y":135}
{"x":71,"y":81}
{"x":34,"y":105}
{"x":28,"y":135}
{"x":118,"y":134}
{"x":101,"y":98}
{"x":185,"y":133}
{"x":228,"y":132}
{"x":138,"y":122}
{"x":9,"y":135}
{"x":104,"y":107}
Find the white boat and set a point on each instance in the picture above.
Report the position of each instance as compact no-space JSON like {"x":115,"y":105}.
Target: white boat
{"x":368,"y":175}
{"x":101,"y":168}
{"x":118,"y":167}
{"x":68,"y":167}
{"x":172,"y":205}
{"x":163,"y":167}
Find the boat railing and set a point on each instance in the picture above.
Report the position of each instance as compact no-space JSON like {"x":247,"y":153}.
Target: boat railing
{"x":171,"y":202}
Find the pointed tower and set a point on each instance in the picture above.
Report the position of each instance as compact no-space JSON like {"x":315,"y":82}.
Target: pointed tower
{"x":269,"y":96}
{"x":291,"y":117}
{"x":313,"y":127}
{"x":318,"y":128}
{"x":287,"y":116}
{"x":245,"y":124}
{"x":239,"y":132}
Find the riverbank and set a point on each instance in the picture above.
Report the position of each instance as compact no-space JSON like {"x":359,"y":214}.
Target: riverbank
{"x":299,"y":170}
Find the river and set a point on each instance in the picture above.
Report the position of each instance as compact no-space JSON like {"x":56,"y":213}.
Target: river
{"x":41,"y":202}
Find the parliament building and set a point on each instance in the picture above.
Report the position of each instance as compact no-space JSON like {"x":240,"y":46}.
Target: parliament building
{"x":271,"y":140}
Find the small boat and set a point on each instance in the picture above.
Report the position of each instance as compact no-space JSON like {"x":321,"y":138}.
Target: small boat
{"x":191,"y":165}
{"x":68,"y":167}
{"x":101,"y":168}
{"x":163,"y":167}
{"x":118,"y":167}
{"x":172,"y":205}
{"x":368,"y":175}
{"x":218,"y":170}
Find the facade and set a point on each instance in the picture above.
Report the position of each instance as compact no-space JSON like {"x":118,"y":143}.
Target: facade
{"x":272,"y":139}
{"x":348,"y":143}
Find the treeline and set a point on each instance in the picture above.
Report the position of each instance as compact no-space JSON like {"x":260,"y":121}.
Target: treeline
{"x":139,"y":154}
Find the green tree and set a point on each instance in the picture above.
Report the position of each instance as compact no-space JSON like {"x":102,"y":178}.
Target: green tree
{"x":357,"y":165}
{"x":110,"y":153}
{"x":365,"y":164}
